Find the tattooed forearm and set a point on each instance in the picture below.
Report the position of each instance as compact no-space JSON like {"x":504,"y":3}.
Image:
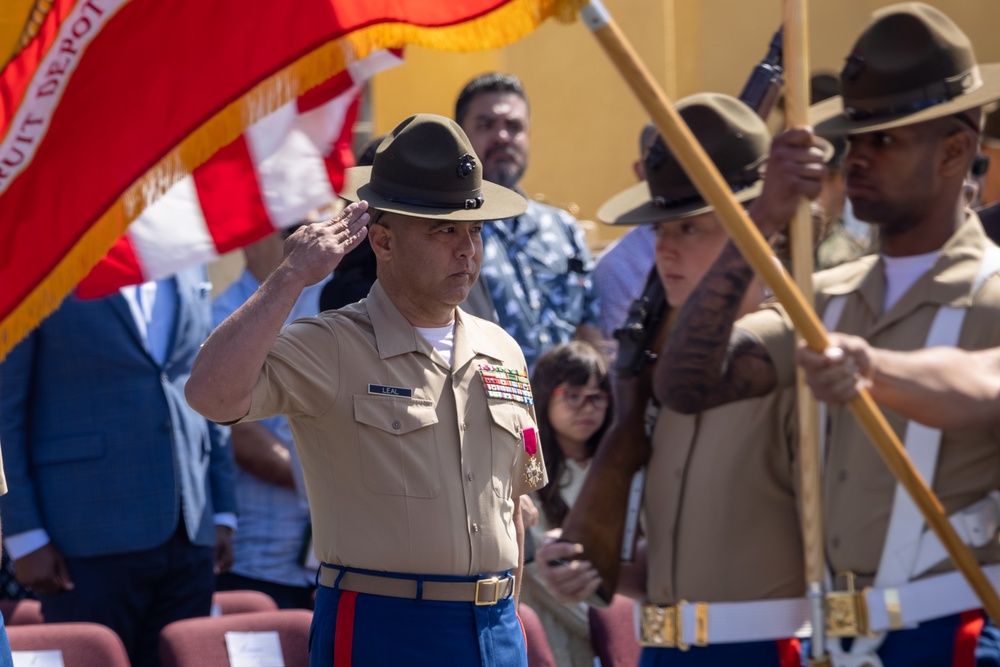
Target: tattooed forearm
{"x":701,"y":365}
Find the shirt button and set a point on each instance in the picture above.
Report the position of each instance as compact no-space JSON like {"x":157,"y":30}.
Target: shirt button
{"x":396,"y":425}
{"x":164,"y":377}
{"x":464,"y":426}
{"x":471,"y":477}
{"x":475,"y":527}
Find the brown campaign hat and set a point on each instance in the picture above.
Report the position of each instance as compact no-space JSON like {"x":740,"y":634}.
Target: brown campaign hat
{"x":910,"y":64}
{"x":735,"y":138}
{"x":427,"y":168}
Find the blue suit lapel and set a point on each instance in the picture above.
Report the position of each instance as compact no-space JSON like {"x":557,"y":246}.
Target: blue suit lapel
{"x":121,"y":309}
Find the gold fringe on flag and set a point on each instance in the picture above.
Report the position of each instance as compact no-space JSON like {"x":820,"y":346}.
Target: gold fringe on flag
{"x":504,"y":25}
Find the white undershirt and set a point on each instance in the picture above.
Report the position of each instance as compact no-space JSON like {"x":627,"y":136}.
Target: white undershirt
{"x":902,"y":272}
{"x":441,"y":338}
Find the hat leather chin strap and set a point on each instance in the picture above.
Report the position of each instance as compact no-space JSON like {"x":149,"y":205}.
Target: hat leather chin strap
{"x":402,"y":194}
{"x":928,"y":96}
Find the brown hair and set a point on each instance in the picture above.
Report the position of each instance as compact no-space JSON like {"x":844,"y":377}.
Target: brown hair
{"x":574,"y":363}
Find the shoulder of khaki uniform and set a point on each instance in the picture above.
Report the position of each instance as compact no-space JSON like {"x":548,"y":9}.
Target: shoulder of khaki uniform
{"x":843,"y":272}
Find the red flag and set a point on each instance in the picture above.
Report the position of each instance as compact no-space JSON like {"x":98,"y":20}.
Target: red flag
{"x":115,"y":102}
{"x":278,"y":171}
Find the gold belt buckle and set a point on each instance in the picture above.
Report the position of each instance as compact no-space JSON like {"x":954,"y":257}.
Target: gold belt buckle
{"x":659,"y":626}
{"x":664,"y":626}
{"x":496,"y":591}
{"x":847,"y":611}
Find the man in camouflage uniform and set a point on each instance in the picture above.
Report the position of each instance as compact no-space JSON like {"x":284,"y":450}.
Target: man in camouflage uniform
{"x":537,"y":266}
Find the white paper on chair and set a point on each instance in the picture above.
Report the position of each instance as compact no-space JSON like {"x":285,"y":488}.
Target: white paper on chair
{"x":51,"y":658}
{"x":254,"y":649}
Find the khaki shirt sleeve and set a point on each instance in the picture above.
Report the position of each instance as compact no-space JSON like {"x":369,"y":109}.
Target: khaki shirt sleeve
{"x":301,"y":374}
{"x":772,"y":328}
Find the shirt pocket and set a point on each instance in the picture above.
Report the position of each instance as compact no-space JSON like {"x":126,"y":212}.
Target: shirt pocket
{"x":508,"y":420}
{"x":399,"y":454}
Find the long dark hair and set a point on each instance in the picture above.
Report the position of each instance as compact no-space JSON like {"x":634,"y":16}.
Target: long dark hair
{"x":574,"y":363}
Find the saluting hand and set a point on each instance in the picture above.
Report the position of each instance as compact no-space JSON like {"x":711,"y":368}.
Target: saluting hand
{"x":315,"y":250}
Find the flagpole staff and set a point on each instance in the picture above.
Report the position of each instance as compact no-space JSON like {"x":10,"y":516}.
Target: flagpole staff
{"x":796,"y":61}
{"x":748,"y":239}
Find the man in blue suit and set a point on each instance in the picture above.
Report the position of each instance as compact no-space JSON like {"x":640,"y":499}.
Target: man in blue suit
{"x":121,"y":502}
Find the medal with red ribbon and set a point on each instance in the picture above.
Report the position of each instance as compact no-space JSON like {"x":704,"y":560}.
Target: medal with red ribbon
{"x":533,"y":468}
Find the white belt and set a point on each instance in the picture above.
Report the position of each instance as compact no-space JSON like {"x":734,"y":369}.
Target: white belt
{"x":976,"y":526}
{"x":699,"y":624}
{"x":915,"y":602}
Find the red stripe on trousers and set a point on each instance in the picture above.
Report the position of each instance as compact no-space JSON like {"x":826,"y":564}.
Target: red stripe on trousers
{"x":343,"y":638}
{"x":230,"y":198}
{"x":789,"y":652}
{"x":970,"y":624}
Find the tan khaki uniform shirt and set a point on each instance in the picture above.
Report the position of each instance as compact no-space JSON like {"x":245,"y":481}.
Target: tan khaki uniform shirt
{"x":419,"y":484}
{"x":858,"y":487}
{"x":720,"y":504}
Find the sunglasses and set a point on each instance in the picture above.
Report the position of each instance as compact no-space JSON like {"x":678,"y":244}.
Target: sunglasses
{"x":575,"y":398}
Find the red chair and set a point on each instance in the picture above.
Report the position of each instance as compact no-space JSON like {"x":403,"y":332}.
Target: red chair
{"x":241,"y":602}
{"x":612,"y":633}
{"x":21,"y":612}
{"x":539,"y":651}
{"x":81,"y":644}
{"x":201,"y":642}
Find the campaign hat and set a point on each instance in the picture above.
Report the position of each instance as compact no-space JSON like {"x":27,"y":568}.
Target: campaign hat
{"x":426,"y":168}
{"x":736,"y":140}
{"x":911,"y":64}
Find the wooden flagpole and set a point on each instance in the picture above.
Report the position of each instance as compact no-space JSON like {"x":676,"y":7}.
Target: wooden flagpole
{"x":748,"y":239}
{"x":796,"y":61}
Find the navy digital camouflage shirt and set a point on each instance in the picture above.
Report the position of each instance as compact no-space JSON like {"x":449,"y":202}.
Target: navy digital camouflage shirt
{"x":538,"y":269}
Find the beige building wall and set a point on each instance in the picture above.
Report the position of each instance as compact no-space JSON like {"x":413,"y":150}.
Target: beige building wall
{"x":585,"y":121}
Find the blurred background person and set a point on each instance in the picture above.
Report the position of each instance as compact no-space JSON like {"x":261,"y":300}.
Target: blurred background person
{"x":622,"y":269}
{"x":573,"y":405}
{"x":121,"y":503}
{"x":537,"y":265}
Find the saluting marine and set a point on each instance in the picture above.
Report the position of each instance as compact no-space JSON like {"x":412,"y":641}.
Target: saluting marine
{"x":413,"y":420}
